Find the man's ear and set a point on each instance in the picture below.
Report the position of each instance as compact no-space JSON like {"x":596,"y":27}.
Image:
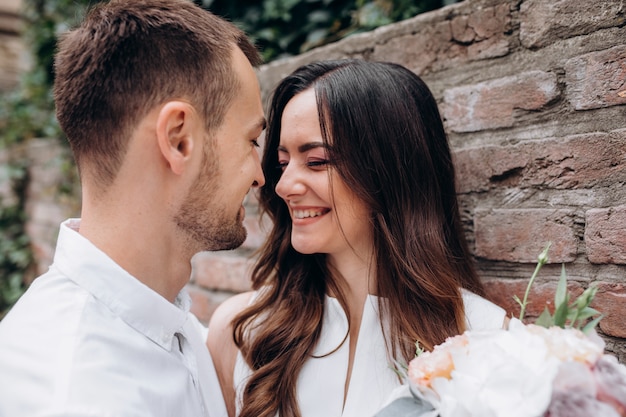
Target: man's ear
{"x":174,"y":131}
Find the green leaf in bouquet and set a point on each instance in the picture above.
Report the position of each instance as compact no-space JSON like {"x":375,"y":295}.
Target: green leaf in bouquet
{"x":580,"y":310}
{"x":418,"y":349}
{"x":592,"y":324}
{"x":545,"y":319}
{"x":400,"y":368}
{"x":584,"y":314}
{"x":561,"y":289}
{"x":566,"y":314}
{"x":561,"y":311}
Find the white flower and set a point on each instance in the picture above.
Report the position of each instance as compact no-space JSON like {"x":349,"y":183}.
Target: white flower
{"x":568,"y":344}
{"x":499,"y":372}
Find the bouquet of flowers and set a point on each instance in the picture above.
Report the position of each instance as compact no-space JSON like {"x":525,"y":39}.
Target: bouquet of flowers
{"x":555,"y":367}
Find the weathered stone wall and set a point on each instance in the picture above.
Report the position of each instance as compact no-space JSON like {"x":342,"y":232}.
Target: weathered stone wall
{"x":533,"y":96}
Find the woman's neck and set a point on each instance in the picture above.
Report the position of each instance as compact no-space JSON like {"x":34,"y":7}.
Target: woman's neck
{"x":356,"y":277}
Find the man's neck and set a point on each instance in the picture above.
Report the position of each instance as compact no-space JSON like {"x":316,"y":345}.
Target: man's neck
{"x":150,"y":254}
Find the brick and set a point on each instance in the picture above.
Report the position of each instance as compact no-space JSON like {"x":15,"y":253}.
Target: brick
{"x":490,"y":22}
{"x":544,"y":22}
{"x":481,"y":168}
{"x":483,"y":31}
{"x":605,"y":235}
{"x":575,"y":162}
{"x":418,"y":51}
{"x":221,"y":271}
{"x":480,"y":34}
{"x":489,"y":48}
{"x":492,"y":104}
{"x":461,"y":30}
{"x":519,"y":235}
{"x":610,"y":300}
{"x":597,"y":79}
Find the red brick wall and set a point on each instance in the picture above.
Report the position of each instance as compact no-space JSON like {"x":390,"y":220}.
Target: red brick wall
{"x":533,"y":96}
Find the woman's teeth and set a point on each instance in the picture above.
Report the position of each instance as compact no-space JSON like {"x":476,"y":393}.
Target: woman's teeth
{"x":303,"y":214}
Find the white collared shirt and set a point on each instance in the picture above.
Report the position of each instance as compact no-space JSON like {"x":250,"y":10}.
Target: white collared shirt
{"x":88,"y":339}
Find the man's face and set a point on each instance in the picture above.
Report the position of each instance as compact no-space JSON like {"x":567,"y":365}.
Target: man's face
{"x":212,"y":213}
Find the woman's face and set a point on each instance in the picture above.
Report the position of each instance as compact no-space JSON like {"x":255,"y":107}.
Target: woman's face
{"x":325,"y":219}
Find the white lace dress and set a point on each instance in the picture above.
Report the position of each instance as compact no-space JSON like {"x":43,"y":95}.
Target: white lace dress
{"x":321,"y":382}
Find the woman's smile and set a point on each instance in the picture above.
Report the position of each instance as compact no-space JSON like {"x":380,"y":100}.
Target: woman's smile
{"x":308,"y":213}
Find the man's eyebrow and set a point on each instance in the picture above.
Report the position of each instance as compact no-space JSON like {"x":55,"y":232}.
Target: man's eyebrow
{"x":260,"y":124}
{"x":305,"y":147}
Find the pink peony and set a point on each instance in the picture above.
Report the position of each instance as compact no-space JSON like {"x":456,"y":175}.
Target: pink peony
{"x":436,"y":364}
{"x":610,"y":377}
{"x":572,"y":403}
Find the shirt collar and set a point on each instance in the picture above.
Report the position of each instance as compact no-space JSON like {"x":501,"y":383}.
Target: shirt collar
{"x":135,"y":303}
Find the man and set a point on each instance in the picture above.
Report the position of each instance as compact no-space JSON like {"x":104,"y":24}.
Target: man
{"x":162,"y":109}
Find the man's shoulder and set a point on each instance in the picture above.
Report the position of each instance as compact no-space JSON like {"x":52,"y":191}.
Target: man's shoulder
{"x":51,"y":305}
{"x":93,"y":364}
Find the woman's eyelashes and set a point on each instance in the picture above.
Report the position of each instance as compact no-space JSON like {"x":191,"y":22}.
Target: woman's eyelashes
{"x":314,"y":164}
{"x":317,"y":163}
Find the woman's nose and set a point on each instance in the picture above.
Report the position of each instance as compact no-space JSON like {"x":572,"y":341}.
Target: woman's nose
{"x":290,"y":183}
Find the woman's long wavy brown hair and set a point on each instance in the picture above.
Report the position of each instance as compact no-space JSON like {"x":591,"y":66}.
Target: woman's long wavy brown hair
{"x":387,"y":142}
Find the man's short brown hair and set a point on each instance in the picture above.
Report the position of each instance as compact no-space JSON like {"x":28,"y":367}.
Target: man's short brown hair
{"x":128,"y":57}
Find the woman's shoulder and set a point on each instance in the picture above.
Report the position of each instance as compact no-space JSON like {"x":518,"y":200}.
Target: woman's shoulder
{"x":222,"y":345}
{"x":228,"y":309}
{"x":480,"y":313}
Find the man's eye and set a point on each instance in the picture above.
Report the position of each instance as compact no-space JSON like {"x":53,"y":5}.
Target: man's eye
{"x":282,"y":165}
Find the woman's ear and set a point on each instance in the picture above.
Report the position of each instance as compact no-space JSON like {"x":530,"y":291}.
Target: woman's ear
{"x":174,"y":131}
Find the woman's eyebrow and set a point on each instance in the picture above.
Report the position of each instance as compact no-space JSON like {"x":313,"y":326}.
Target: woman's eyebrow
{"x":305,"y":147}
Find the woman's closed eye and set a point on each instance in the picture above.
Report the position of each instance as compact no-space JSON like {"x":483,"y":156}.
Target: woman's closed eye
{"x":317,"y":163}
{"x":314,"y":164}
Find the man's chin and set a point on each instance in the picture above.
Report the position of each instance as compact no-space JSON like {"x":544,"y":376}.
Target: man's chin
{"x":228,"y":240}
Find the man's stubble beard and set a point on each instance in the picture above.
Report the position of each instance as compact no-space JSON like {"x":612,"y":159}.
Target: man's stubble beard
{"x":202,"y":217}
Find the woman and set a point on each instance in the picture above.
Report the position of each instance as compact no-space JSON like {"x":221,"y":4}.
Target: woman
{"x":366,"y":255}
